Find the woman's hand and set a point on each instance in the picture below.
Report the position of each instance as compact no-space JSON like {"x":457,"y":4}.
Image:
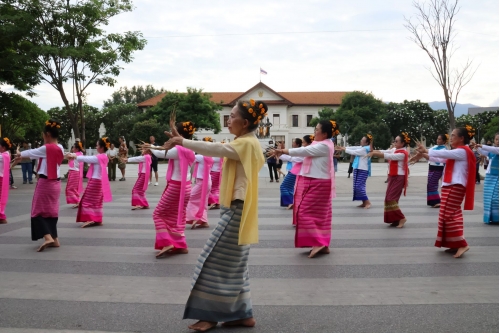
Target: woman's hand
{"x":124,"y":159}
{"x":421,"y":149}
{"x":70,"y":156}
{"x":370,"y":154}
{"x":175,"y":137}
{"x":276,"y":153}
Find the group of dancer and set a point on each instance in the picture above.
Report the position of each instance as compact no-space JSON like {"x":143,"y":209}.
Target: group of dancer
{"x":220,"y":291}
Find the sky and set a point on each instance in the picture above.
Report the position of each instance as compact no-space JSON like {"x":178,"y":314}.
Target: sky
{"x":314,"y":45}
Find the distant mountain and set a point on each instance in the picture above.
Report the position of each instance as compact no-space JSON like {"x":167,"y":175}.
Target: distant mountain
{"x":460,"y":109}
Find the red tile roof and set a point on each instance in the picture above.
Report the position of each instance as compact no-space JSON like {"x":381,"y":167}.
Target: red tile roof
{"x":322,"y":98}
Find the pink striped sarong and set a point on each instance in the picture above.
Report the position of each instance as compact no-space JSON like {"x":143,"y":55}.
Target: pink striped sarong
{"x":213,"y":197}
{"x":312,"y":212}
{"x":2,"y":212}
{"x":395,"y":187}
{"x":138,"y":192}
{"x":195,"y":203}
{"x":45,"y":208}
{"x":90,"y":208}
{"x":72,"y":195}
{"x":170,"y":229}
{"x":451,"y":222}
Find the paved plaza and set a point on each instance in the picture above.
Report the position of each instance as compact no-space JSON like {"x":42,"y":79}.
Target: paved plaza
{"x":376,"y":280}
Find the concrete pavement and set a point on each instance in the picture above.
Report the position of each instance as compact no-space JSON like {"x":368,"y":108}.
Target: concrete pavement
{"x":377,"y":279}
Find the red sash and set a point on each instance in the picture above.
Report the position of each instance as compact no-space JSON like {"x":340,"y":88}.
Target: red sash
{"x":54,"y":158}
{"x":471,"y":176}
{"x":393,"y":166}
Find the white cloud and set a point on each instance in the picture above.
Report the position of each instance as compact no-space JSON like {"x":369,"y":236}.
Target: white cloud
{"x":384,"y":62}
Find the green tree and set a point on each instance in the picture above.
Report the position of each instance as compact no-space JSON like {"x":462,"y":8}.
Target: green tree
{"x":491,"y":129}
{"x":144,"y":129}
{"x":17,"y":67}
{"x":380,"y":131}
{"x":326,"y":113}
{"x":70,"y":45}
{"x":119,"y":119}
{"x":195,"y":106}
{"x":134,"y":95}
{"x":20,"y":118}
{"x":478,"y":121}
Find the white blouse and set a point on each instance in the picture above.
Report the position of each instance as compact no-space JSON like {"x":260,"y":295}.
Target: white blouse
{"x":1,"y":164}
{"x":485,"y":150}
{"x":359,"y":151}
{"x":320,"y":166}
{"x":400,"y":157}
{"x":173,"y":155}
{"x":138,"y":159}
{"x":216,"y":165}
{"x":461,"y":168}
{"x":201,"y":165}
{"x":288,"y":158}
{"x":97,"y":173}
{"x":41,"y":153}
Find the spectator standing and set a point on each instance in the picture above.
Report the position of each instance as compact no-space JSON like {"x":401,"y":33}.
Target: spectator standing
{"x":26,"y":165}
{"x":271,"y":164}
{"x":112,"y":161}
{"x":154,"y":163}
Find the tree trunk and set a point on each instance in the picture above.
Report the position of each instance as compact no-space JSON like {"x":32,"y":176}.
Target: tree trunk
{"x":451,"y":112}
{"x":82,"y":116}
{"x":72,"y":118}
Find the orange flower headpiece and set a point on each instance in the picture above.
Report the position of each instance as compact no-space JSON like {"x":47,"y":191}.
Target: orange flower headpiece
{"x":311,"y":137}
{"x":335,"y":128}
{"x":106,"y":142}
{"x":369,"y":136}
{"x":446,"y":137}
{"x":55,"y":124}
{"x":471,"y":130}
{"x":208,"y":139}
{"x":258,"y":112}
{"x":189,"y":127}
{"x":406,"y":137}
{"x":7,"y":141}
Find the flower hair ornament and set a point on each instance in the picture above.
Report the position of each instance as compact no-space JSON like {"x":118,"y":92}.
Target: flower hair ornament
{"x":49,"y":123}
{"x":258,"y":112}
{"x":470,"y":130}
{"x":311,"y":137}
{"x":7,"y":141}
{"x":406,"y":137}
{"x":106,"y":142}
{"x":335,"y":128}
{"x":369,"y":136}
{"x":446,"y":137}
{"x":208,"y":139}
{"x":188,"y":127}
{"x":80,"y":144}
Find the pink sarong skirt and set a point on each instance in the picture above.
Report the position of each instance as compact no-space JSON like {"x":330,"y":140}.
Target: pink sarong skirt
{"x":45,"y":208}
{"x":138,"y":193}
{"x":195,"y":203}
{"x":312,"y":212}
{"x":451,"y":221}
{"x":72,"y":195}
{"x":90,"y":208}
{"x":2,"y":214}
{"x":170,"y":229}
{"x":213,"y":197}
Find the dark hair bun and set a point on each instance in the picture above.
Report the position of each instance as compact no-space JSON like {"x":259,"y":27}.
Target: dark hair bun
{"x":253,"y":111}
{"x":52,"y":127}
{"x":186,"y":129}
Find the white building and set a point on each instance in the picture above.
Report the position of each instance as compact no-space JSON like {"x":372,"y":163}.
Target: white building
{"x":289,"y":112}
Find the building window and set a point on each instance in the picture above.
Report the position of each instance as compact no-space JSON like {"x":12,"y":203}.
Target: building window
{"x":276,"y":119}
{"x":226,"y":118}
{"x":295,"y":121}
{"x":309,"y":118}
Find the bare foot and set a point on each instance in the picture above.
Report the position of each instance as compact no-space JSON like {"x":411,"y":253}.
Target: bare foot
{"x":91,"y":224}
{"x":453,"y":251}
{"x":193,"y":226}
{"x":203,"y":326}
{"x":178,"y":251}
{"x":368,"y":205}
{"x":317,"y":249}
{"x":436,"y":206}
{"x":361,"y":206}
{"x":289,"y":206}
{"x":136,"y":207}
{"x":75,"y":206}
{"x":401,"y":223}
{"x":164,"y":251}
{"x":3,"y":221}
{"x":45,"y":245}
{"x":461,"y":251}
{"x":56,"y":243}
{"x":248,"y":322}
{"x":202,"y":225}
{"x":394,"y":224}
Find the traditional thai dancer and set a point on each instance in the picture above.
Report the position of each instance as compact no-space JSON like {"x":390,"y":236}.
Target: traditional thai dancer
{"x":223,"y":262}
{"x":287,"y":188}
{"x":45,"y":205}
{"x":74,"y":186}
{"x":196,"y":210}
{"x":169,"y":215}
{"x":215,"y":175}
{"x":90,"y":210}
{"x":490,"y":183}
{"x":435,"y":174}
{"x":312,"y":209}
{"x":5,"y":145}
{"x":139,"y":200}
{"x":458,"y":182}
{"x":397,"y":179}
{"x":362,"y":169}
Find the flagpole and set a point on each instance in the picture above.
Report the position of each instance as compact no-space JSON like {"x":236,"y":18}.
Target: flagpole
{"x":260,"y":75}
